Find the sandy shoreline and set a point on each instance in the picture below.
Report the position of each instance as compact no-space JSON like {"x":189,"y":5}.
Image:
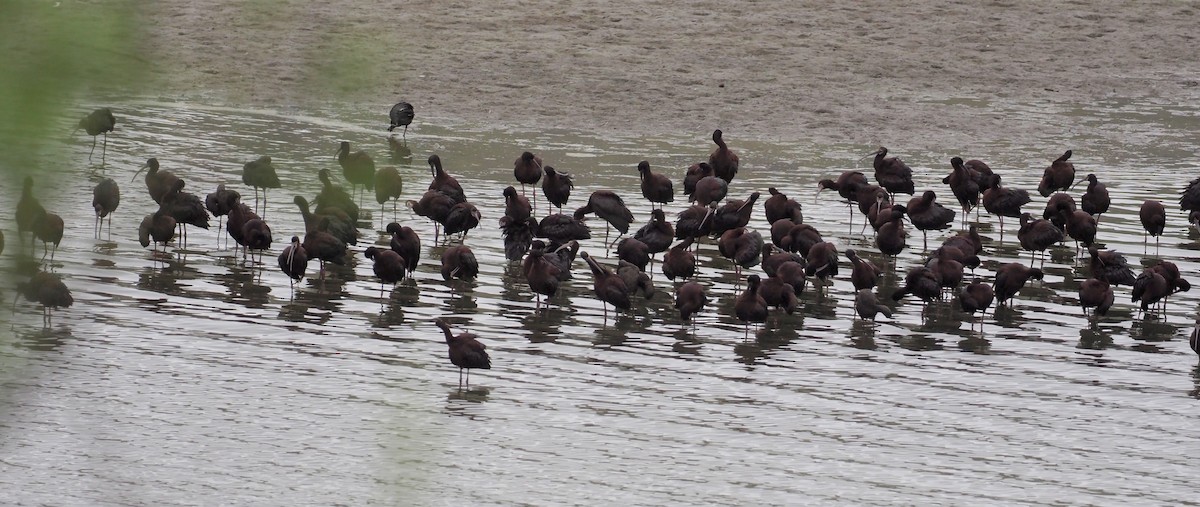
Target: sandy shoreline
{"x":825,"y":72}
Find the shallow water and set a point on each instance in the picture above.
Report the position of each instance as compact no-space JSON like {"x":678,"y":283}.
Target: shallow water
{"x":196,"y":377}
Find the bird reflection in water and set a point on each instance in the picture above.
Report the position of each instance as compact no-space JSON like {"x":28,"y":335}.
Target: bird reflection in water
{"x":463,"y":402}
{"x":47,"y":339}
{"x":1094,"y":338}
{"x":862,"y":334}
{"x":685,"y":341}
{"x":167,"y":279}
{"x":1152,"y":327}
{"x":545,"y":326}
{"x":244,"y":286}
{"x":400,"y":152}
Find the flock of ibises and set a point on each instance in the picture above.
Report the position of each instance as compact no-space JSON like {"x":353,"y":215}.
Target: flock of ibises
{"x":794,"y":256}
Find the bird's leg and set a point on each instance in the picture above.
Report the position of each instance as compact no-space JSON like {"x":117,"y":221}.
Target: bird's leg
{"x":103,"y":150}
{"x":93,"y":149}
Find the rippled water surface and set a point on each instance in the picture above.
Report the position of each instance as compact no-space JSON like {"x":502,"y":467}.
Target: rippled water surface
{"x":195,"y":377}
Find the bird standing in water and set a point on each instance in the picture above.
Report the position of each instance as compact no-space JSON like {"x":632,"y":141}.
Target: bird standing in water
{"x":465,"y":351}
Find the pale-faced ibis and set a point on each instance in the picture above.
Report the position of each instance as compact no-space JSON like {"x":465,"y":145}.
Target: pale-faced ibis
{"x":541,"y":274}
{"x":892,"y":173}
{"x":220,"y":202}
{"x":921,"y":282}
{"x":1059,"y":176}
{"x":517,"y":236}
{"x":556,"y":187}
{"x":443,"y":182}
{"x":926,"y":214}
{"x":1058,"y":203}
{"x":609,"y":206}
{"x":157,"y":226}
{"x":964,"y":185}
{"x":516,"y":206}
{"x":260,"y":174}
{"x":293,"y":261}
{"x":679,"y":261}
{"x":1110,"y":265}
{"x":657,"y":234}
{"x":723,"y":160}
{"x":47,"y":290}
{"x":407,"y":243}
{"x":710,"y":190}
{"x":1095,"y":200}
{"x":435,"y":206}
{"x":636,"y":280}
{"x":401,"y":115}
{"x":750,"y":306}
{"x":778,"y":294}
{"x":100,"y":121}
{"x":609,"y":288}
{"x":388,"y":266}
{"x":733,"y":214}
{"x":800,"y":239}
{"x":336,"y":222}
{"x":48,"y":228}
{"x":867,"y":305}
{"x":1150,"y":287}
{"x":742,"y":246}
{"x":1011,"y":277}
{"x":694,"y":222}
{"x":690,"y":299}
{"x":388,"y":187}
{"x":772,"y":258}
{"x":459,"y":262}
{"x":334,"y":196}
{"x":780,"y":206}
{"x":1036,"y":235}
{"x":633,"y":251}
{"x":1096,"y":293}
{"x":28,"y":211}
{"x":357,"y":167}
{"x":864,"y":274}
{"x":561,"y":228}
{"x":822,"y":261}
{"x":1004,"y":202}
{"x":325,"y":248}
{"x":105,"y":199}
{"x":158,"y":182}
{"x":890,"y":239}
{"x":656,"y":188}
{"x":465,"y":351}
{"x":976,"y":297}
{"x":694,"y":174}
{"x":463,"y":217}
{"x":527,"y":169}
{"x":1154,"y":220}
{"x":185,"y":208}
{"x":1079,"y":226}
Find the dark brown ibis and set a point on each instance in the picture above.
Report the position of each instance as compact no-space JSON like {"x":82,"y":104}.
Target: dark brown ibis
{"x":463,"y":217}
{"x":946,"y":266}
{"x":921,"y":282}
{"x":926,"y":214}
{"x":636,"y":280}
{"x":656,"y":188}
{"x":710,"y":190}
{"x":733,"y":214}
{"x":694,"y":174}
{"x":339,"y":224}
{"x":260,"y":174}
{"x":1095,"y":200}
{"x":220,"y":202}
{"x":742,"y":246}
{"x":158,"y":181}
{"x":516,"y":206}
{"x":822,"y":261}
{"x":435,"y":206}
{"x":1150,"y":287}
{"x":1170,"y":272}
{"x":1011,"y":277}
{"x":773,"y":257}
{"x":1110,"y":265}
{"x":186,"y":208}
{"x":557,"y":188}
{"x":750,"y":306}
{"x":517,"y":236}
{"x":679,"y":261}
{"x":325,"y":248}
{"x":459,"y":262}
{"x":778,"y":294}
{"x":864,"y":274}
{"x":48,"y":228}
{"x":527,"y":169}
{"x":29,"y":209}
{"x":694,"y":222}
{"x":892,"y":173}
{"x":1096,"y":294}
{"x":968,"y":242}
{"x":407,"y":243}
{"x":401,"y":115}
{"x":257,"y":234}
{"x":609,"y":288}
{"x":976,"y":297}
{"x":465,"y":351}
{"x":690,"y":299}
{"x":1154,"y":220}
{"x":634,"y":251}
{"x":561,"y":228}
{"x":780,"y":206}
{"x":657,"y":234}
{"x":1059,"y":176}
{"x":1189,"y":199}
{"x":388,"y":266}
{"x":780,"y":229}
{"x":891,"y":237}
{"x":964,"y":185}
{"x":723,"y":160}
{"x":1004,"y":202}
{"x":334,"y":196}
{"x":105,"y":199}
{"x":157,"y":226}
{"x":793,"y":274}
{"x":1079,"y":226}
{"x":872,"y":200}
{"x":100,"y":121}
{"x":867,"y":305}
{"x":562,"y":256}
{"x":800,"y":239}
{"x":357,"y":167}
{"x":847,"y":186}
{"x":1036,"y":235}
{"x":388,"y":187}
{"x":443,"y":182}
{"x":609,"y":206}
{"x":541,"y":274}
{"x":1056,"y":205}
{"x":293,"y":261}
{"x":47,"y":290}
